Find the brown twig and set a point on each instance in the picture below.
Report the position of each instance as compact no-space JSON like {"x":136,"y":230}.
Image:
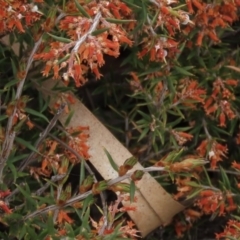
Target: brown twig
{"x":206,"y":129}
{"x":43,"y":135}
{"x":86,"y":194}
{"x":104,"y":204}
{"x":10,"y":133}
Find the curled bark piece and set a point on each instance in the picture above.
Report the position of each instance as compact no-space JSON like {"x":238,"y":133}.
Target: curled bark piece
{"x":155,"y":206}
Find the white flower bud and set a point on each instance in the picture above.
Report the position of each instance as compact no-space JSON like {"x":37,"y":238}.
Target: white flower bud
{"x":34,"y":8}
{"x":165,"y":53}
{"x":19,"y":16}
{"x":163,"y":39}
{"x":10,"y":9}
{"x":185,"y":19}
{"x":211,"y":154}
{"x":65,"y":76}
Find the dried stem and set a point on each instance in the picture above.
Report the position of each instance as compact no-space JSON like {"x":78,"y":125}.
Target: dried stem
{"x":226,"y":171}
{"x":86,"y":194}
{"x":10,"y":133}
{"x":126,"y":131}
{"x":43,"y":135}
{"x":104,"y":204}
{"x":162,"y":94}
{"x":150,"y":26}
{"x":54,"y":178}
{"x":84,"y":37}
{"x":206,"y":129}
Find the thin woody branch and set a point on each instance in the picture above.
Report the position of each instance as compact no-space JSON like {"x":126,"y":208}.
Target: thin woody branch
{"x":43,"y":135}
{"x":10,"y":133}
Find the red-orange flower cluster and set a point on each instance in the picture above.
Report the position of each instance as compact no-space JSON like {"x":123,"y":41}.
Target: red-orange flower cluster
{"x":231,"y":231}
{"x":220,"y":99}
{"x":16,"y":14}
{"x":215,"y":201}
{"x":216,"y":151}
{"x":189,"y":93}
{"x":88,"y":40}
{"x":181,"y":137}
{"x":78,"y":142}
{"x":210,"y":17}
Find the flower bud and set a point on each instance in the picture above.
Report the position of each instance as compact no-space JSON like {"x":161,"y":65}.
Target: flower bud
{"x":99,"y":187}
{"x":137,"y":175}
{"x":120,"y":187}
{"x":128,"y":164}
{"x":187,"y":164}
{"x":87,"y":184}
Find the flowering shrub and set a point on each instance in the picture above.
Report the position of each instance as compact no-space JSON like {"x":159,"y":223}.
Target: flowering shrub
{"x":178,"y":98}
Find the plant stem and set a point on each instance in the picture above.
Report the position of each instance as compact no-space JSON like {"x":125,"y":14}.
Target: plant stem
{"x":10,"y":134}
{"x":43,"y":136}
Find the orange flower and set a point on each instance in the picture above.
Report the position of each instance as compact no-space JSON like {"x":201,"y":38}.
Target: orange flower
{"x":164,"y":10}
{"x":170,"y":29}
{"x":142,"y":53}
{"x":209,"y":201}
{"x":3,"y":194}
{"x":211,"y":109}
{"x":29,"y":124}
{"x":4,"y":207}
{"x":182,"y":137}
{"x":189,"y":6}
{"x":63,"y":217}
{"x":237,"y":139}
{"x":202,"y":148}
{"x":53,"y":145}
{"x":180,"y":228}
{"x":207,"y":193}
{"x":100,"y":59}
{"x":45,"y":164}
{"x":96,"y":72}
{"x":47,"y":69}
{"x":231,"y":205}
{"x":187,"y":164}
{"x":232,"y":82}
{"x":227,"y":18}
{"x":153,"y":54}
{"x":107,"y":43}
{"x":70,"y":98}
{"x":61,"y":232}
{"x":216,"y":155}
{"x":56,"y":71}
{"x":207,"y":103}
{"x":77,"y":74}
{"x":114,"y":9}
{"x":78,"y":143}
{"x":111,"y":52}
{"x":128,"y":208}
{"x":19,"y":26}
{"x":200,"y":38}
{"x":216,"y":90}
{"x":221,"y":209}
{"x":173,"y":22}
{"x":124,"y":8}
{"x":15,"y":22}
{"x":212,"y":34}
{"x":236,"y":165}
{"x":124,"y":39}
{"x":192,"y":215}
{"x":222,"y":120}
{"x":230,"y":231}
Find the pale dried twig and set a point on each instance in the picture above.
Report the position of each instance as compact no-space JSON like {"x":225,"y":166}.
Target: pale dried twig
{"x":43,"y":135}
{"x":10,"y":133}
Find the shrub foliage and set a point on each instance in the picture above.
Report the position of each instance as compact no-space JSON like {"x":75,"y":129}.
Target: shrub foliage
{"x":169,"y":83}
